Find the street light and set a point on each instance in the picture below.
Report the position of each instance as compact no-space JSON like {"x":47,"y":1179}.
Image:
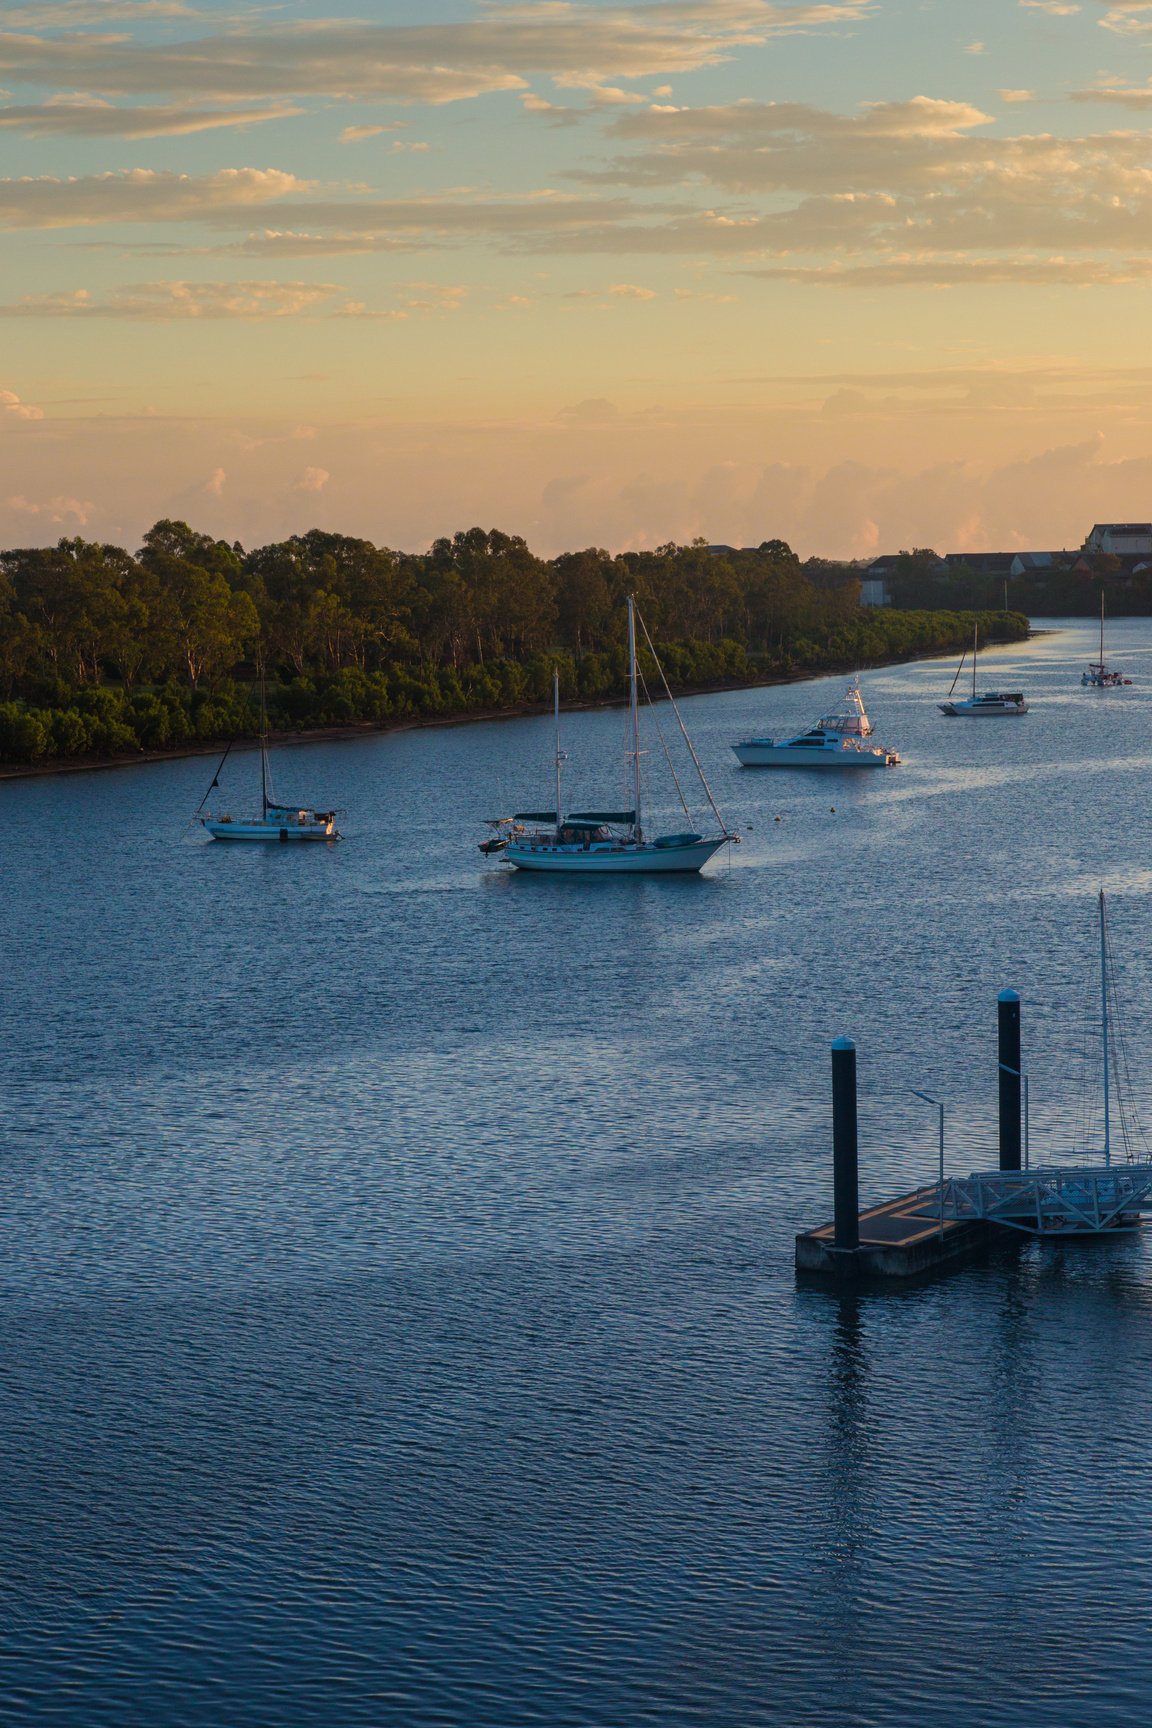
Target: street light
{"x":940,"y":1107}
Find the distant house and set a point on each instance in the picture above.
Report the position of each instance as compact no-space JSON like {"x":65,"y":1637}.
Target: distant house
{"x":982,"y":563}
{"x":1130,"y":564}
{"x":1120,"y":537}
{"x":1040,"y":563}
{"x":874,"y":591}
{"x":881,"y":567}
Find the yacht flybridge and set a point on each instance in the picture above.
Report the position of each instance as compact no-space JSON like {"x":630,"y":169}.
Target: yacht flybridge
{"x":992,"y":703}
{"x":1100,"y":675}
{"x":606,"y":842}
{"x":279,"y":822}
{"x":836,"y":741}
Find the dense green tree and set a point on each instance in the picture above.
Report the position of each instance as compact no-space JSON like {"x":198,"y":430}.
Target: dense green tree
{"x":103,"y":652}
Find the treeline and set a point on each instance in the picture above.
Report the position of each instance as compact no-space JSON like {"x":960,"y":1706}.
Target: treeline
{"x":104,"y":652}
{"x":1068,"y":588}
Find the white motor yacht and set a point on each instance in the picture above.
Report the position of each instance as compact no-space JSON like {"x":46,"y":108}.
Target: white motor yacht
{"x":835,"y":741}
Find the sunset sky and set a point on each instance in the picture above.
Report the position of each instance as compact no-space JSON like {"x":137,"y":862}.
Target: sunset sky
{"x":861,"y":274}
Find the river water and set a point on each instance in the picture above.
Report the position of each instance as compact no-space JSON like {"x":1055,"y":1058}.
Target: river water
{"x":399,"y":1320}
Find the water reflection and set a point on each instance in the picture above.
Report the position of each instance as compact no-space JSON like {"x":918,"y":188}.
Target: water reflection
{"x":398,"y":1279}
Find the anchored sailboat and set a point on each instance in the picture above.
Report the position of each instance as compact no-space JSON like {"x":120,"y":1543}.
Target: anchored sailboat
{"x":993,"y":702}
{"x":608,"y":842}
{"x":276,"y":821}
{"x":1100,"y":675}
{"x":1086,"y":1198}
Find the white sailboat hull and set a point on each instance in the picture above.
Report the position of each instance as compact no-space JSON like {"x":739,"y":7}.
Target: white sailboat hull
{"x":763,"y":753}
{"x":982,"y":710}
{"x":274,"y":831}
{"x":643,"y":860}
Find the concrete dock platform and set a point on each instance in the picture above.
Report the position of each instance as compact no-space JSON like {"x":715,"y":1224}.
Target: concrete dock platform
{"x":899,"y":1239}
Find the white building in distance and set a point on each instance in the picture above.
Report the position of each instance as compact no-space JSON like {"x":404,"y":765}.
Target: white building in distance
{"x":1120,"y":537}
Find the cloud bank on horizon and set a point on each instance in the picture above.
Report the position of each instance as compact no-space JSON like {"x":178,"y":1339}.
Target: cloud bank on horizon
{"x":857,"y":273}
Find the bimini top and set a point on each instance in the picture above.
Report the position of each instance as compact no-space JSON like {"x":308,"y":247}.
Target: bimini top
{"x":534,"y":816}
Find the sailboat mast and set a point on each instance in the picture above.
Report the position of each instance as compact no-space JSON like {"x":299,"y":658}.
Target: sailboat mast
{"x":1104,"y":1024}
{"x":635,"y":700}
{"x":1101,"y":626}
{"x":975,"y":643}
{"x":559,"y":753}
{"x":263,"y":744}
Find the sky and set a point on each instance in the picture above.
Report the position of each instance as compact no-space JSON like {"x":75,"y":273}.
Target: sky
{"x":858,"y":274}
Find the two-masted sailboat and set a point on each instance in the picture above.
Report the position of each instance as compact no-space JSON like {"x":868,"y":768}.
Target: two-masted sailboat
{"x":1100,"y":675}
{"x":607,"y":842}
{"x":276,"y":821}
{"x":992,"y":702}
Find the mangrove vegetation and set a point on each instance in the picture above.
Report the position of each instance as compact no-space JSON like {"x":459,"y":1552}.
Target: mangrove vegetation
{"x":104,"y":652}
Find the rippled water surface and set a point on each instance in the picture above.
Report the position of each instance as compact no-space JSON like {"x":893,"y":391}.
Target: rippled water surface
{"x":399,"y":1321}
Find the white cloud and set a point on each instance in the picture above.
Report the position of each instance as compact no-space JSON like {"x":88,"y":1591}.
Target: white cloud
{"x":497,"y":50}
{"x":139,"y":195}
{"x":1128,"y":17}
{"x":353,"y":134}
{"x":949,"y":271}
{"x":312,"y":480}
{"x":67,"y":14}
{"x":179,"y":300}
{"x":15,"y":409}
{"x":93,"y":119}
{"x":1116,"y":96}
{"x":1016,"y":95}
{"x":60,"y":510}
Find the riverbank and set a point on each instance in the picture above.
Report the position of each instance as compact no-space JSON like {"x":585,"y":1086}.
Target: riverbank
{"x":371,"y":728}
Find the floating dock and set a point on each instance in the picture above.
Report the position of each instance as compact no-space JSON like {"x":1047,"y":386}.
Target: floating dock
{"x":913,"y":1234}
{"x":899,"y":1239}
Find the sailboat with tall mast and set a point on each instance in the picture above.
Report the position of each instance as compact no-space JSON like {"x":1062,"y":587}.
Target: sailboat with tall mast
{"x":1101,"y":676}
{"x":991,"y":703}
{"x":1095,"y":1196}
{"x":276,"y":821}
{"x":609,"y":842}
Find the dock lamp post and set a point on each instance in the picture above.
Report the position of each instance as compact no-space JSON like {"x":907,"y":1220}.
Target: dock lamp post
{"x":939,"y":1107}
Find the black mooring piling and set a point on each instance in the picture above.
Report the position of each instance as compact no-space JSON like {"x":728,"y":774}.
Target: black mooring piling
{"x":1008,"y":1009}
{"x":845,"y":1156}
{"x":901,"y":1238}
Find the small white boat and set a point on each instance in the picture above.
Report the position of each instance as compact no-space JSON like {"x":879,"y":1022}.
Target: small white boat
{"x":606,"y":842}
{"x":1101,"y":676}
{"x":993,"y":702}
{"x":278,"y":822}
{"x":836,"y":741}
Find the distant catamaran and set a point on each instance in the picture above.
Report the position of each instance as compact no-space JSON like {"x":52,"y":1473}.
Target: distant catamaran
{"x":607,"y":842}
{"x":276,"y":821}
{"x":993,"y":702}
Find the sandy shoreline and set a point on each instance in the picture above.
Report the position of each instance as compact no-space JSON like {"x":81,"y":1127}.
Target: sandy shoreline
{"x":371,"y":728}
